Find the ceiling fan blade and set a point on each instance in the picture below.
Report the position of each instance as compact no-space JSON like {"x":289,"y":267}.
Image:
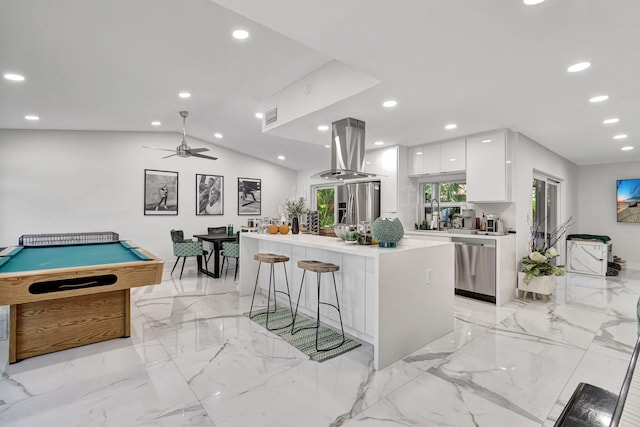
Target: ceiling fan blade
{"x":156,"y":148}
{"x":198,"y":150}
{"x":170,"y":155}
{"x":203,"y":156}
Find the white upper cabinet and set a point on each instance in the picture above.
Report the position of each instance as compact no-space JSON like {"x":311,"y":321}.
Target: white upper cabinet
{"x":437,"y":158}
{"x":453,"y":156}
{"x":384,"y":162}
{"x":416,"y":160}
{"x":488,"y":168}
{"x":431,"y":158}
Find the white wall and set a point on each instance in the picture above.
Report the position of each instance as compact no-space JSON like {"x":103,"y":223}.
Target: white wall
{"x":597,"y":205}
{"x":68,"y":181}
{"x":529,"y":156}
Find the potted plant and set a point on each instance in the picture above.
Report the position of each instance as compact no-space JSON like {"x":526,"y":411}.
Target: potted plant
{"x":295,"y":208}
{"x":539,"y":271}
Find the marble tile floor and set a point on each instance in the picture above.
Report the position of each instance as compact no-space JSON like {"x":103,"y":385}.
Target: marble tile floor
{"x":193,"y":359}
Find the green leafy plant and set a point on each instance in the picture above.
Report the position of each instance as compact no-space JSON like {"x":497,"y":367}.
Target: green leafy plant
{"x":295,"y":207}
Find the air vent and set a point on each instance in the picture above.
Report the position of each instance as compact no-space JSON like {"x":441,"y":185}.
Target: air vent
{"x":271,"y":116}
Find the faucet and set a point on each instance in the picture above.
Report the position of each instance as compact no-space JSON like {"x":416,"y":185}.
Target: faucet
{"x":435,"y":214}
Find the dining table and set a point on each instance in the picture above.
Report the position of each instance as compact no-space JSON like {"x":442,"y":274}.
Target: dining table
{"x":216,"y":240}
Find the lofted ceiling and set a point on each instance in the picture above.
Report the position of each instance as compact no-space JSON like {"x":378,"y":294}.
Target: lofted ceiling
{"x":483,"y":64}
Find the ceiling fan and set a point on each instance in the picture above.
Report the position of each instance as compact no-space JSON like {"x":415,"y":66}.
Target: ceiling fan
{"x":183,"y":150}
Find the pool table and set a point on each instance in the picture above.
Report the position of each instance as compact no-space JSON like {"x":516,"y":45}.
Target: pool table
{"x":66,"y":296}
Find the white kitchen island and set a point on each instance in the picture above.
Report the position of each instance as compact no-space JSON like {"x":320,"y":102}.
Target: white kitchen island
{"x":397,"y":299}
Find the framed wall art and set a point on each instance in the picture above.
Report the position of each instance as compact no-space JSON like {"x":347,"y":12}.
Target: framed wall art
{"x":249,"y":200}
{"x":210,"y":194}
{"x":627,"y":198}
{"x":160,"y":192}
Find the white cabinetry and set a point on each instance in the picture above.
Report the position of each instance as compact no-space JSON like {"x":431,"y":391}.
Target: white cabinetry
{"x":488,"y":168}
{"x":384,"y":162}
{"x":453,"y":156}
{"x":437,"y":158}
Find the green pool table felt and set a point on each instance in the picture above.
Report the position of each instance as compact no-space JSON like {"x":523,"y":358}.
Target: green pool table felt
{"x":50,"y":257}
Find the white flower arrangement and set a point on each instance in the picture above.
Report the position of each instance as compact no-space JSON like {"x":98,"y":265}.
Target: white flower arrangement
{"x":538,"y":262}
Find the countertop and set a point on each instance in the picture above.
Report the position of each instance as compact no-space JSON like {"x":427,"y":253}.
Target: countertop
{"x":337,"y":244}
{"x":479,"y":235}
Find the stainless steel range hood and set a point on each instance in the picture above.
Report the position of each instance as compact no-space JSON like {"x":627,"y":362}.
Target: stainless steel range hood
{"x":347,"y":151}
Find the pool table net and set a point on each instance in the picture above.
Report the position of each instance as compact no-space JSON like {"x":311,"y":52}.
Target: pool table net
{"x":57,"y":239}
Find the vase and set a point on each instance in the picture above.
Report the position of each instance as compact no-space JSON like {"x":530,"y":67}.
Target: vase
{"x":387,"y":231}
{"x":295,"y":226}
{"x":541,"y":285}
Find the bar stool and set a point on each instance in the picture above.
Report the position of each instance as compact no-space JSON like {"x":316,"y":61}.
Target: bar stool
{"x":272,"y":259}
{"x":318,"y":267}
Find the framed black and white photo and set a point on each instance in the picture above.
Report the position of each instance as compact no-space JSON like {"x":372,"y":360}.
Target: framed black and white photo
{"x":160,"y":192}
{"x":249,"y":201}
{"x":210,"y":194}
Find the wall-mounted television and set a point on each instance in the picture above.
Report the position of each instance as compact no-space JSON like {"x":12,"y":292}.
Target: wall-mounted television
{"x":628,"y":196}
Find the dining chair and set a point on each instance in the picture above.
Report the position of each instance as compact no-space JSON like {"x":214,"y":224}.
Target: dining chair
{"x":215,"y":230}
{"x":184,"y":248}
{"x":230,"y":250}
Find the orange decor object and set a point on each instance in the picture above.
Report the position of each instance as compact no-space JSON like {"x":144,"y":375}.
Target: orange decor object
{"x":273,"y":229}
{"x":283,"y":229}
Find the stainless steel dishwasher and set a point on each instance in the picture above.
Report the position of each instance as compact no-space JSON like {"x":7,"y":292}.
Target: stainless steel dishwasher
{"x":475,"y":268}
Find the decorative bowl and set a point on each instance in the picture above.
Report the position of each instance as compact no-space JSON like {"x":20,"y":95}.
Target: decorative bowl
{"x":342,"y":229}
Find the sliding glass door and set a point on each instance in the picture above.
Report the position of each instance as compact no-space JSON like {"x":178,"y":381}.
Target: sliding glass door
{"x":544,"y":209}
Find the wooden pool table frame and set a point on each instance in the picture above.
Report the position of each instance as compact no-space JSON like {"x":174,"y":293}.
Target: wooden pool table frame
{"x":48,"y":322}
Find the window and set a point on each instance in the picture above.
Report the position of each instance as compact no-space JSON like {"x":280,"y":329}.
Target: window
{"x":451,"y":198}
{"x":324,"y":201}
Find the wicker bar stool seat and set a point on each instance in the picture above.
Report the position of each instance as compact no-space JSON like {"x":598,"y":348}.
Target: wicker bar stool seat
{"x":272,"y":259}
{"x":319,"y":267}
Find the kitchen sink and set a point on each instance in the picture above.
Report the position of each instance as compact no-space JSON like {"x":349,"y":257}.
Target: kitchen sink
{"x":462,"y":231}
{"x":453,"y":231}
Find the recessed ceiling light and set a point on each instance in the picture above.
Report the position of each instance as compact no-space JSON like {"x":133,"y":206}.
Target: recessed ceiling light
{"x":378,"y":143}
{"x":31,"y":117}
{"x":484,"y":141}
{"x":184,"y":95}
{"x":451,"y":126}
{"x":621,"y":136}
{"x":281,"y":157}
{"x":327,"y":146}
{"x":452,"y":160}
{"x":14,"y":77}
{"x":419,"y":153}
{"x":155,"y":123}
{"x":259,"y":115}
{"x":390,"y":103}
{"x":580,"y":66}
{"x":368,"y":163}
{"x":627,"y":148}
{"x":611,"y":121}
{"x":323,"y":128}
{"x":240,"y":34}
{"x":218,"y":135}
{"x":599,"y":98}
{"x":532,"y":2}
